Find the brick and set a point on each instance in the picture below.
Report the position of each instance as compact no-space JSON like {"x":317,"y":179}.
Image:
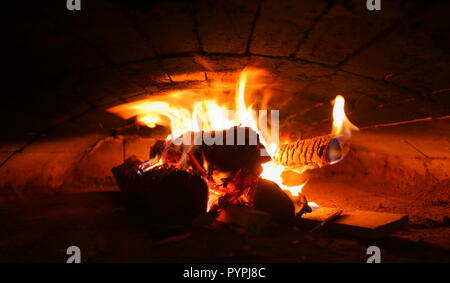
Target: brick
{"x":138,"y":146}
{"x":410,"y":53}
{"x":106,"y":27}
{"x":428,"y":136}
{"x":345,"y":28}
{"x":94,"y":169}
{"x":95,"y":122}
{"x":392,"y":55}
{"x":224,"y":26}
{"x":96,"y":85}
{"x":143,"y":74}
{"x":60,"y":144}
{"x":220,"y":63}
{"x":368,"y":111}
{"x":417,"y":77}
{"x":304,"y":72}
{"x":170,"y":27}
{"x":229,"y":79}
{"x":301,"y":86}
{"x":37,"y":170}
{"x":184,"y":69}
{"x":269,"y":64}
{"x":282,"y":24}
{"x":354,"y":86}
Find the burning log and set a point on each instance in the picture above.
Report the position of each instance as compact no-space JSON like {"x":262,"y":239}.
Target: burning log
{"x":270,"y":198}
{"x":164,"y":194}
{"x":311,"y":153}
{"x":235,"y":149}
{"x":268,"y":202}
{"x":301,"y":205}
{"x":167,"y":194}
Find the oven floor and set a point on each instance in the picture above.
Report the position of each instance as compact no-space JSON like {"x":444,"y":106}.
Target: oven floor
{"x":41,"y":229}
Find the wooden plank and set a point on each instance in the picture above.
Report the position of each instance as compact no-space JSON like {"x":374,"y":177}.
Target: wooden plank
{"x":360,"y":223}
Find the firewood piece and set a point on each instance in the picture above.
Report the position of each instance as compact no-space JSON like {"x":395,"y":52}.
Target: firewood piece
{"x":359,"y":223}
{"x":157,"y":149}
{"x":126,"y":174}
{"x":164,"y":194}
{"x":313,"y":152}
{"x":301,"y":205}
{"x":236,"y":156}
{"x":318,"y":215}
{"x":331,"y":217}
{"x":265,"y":196}
{"x":228,"y":155}
{"x":269,"y":197}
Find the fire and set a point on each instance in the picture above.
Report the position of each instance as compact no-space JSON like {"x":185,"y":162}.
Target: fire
{"x":342,"y":128}
{"x":341,"y":125}
{"x":195,"y":109}
{"x":208,"y":109}
{"x":273,"y":173}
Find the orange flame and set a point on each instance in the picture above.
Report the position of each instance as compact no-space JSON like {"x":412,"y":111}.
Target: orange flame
{"x":341,"y":124}
{"x":196,"y":109}
{"x":342,"y":127}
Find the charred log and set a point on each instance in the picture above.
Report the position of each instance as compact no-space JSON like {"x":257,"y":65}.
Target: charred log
{"x":269,"y":197}
{"x":232,"y":150}
{"x":170,"y":195}
{"x":164,"y":194}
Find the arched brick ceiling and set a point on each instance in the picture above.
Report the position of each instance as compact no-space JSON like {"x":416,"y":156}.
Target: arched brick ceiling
{"x":65,"y":68}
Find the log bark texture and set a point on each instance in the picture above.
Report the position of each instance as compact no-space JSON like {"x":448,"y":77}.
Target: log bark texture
{"x":165,"y":195}
{"x":313,"y":152}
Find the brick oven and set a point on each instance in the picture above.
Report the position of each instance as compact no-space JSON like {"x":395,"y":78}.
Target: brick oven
{"x":70,"y":74}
